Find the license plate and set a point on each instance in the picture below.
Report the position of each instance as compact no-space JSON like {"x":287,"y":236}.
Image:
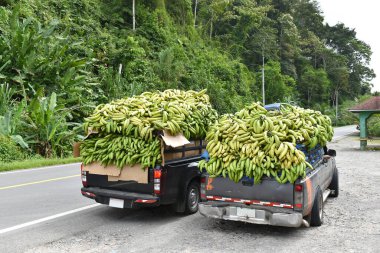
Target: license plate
{"x":119,"y":203}
{"x":246,"y":212}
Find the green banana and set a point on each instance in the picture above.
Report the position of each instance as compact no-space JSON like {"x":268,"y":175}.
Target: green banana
{"x":126,"y":127}
{"x":255,"y":142}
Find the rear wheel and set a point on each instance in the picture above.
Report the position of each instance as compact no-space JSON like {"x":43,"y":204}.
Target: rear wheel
{"x":334,"y":185}
{"x":192,"y":198}
{"x":316,"y":218}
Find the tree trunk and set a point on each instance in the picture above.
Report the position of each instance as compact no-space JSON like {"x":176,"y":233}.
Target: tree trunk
{"x":212,"y":19}
{"x":133,"y":15}
{"x":160,"y":4}
{"x":195,"y":12}
{"x":324,"y":62}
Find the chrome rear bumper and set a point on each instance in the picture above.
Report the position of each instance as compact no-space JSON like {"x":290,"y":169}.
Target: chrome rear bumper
{"x":256,"y":216}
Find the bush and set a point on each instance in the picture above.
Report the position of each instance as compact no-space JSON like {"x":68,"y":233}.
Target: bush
{"x":374,"y":126}
{"x":9,"y":151}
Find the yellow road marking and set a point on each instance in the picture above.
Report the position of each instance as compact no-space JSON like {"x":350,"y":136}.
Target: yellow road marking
{"x":38,"y":182}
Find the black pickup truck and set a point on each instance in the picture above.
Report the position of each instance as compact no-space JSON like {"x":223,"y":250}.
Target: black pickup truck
{"x":176,"y":183}
{"x":271,"y":203}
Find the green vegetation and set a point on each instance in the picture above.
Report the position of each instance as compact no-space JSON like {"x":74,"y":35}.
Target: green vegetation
{"x":374,"y":125}
{"x":36,"y":163}
{"x":9,"y":151}
{"x":58,"y":59}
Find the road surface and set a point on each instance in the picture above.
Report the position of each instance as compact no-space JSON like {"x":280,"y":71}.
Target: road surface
{"x":341,"y":132}
{"x":42,"y":210}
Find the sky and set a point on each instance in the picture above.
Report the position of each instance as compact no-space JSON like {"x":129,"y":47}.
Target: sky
{"x":364,"y":17}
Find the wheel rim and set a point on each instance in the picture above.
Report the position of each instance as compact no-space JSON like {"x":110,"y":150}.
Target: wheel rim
{"x":193,"y":198}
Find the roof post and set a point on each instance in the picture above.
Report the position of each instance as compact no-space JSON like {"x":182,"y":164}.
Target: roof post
{"x":363,"y":116}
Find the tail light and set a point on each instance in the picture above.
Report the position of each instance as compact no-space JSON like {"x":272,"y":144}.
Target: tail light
{"x":157,"y":172}
{"x":298,"y":196}
{"x":298,"y":188}
{"x":83,"y":176}
{"x":203,"y":188}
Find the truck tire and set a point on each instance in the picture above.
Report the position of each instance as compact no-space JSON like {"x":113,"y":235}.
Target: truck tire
{"x":316,"y":218}
{"x":192,"y":198}
{"x":334,"y":185}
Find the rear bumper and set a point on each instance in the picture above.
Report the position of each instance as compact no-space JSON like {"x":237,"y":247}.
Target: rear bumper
{"x":131,"y":199}
{"x":251,"y":215}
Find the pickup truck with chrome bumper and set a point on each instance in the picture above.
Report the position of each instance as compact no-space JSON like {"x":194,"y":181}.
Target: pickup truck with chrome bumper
{"x":271,"y":203}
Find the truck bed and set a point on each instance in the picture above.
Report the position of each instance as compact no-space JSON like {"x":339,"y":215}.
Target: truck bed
{"x":269,"y":202}
{"x":268,"y":193}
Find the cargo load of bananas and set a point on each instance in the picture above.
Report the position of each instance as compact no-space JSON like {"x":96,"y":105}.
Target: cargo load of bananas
{"x":255,"y":142}
{"x":125,"y":129}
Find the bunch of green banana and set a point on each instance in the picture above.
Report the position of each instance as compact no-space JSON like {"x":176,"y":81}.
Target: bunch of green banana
{"x":126,"y":128}
{"x":256,"y":142}
{"x":314,"y":127}
{"x":121,"y":151}
{"x":187,"y":112}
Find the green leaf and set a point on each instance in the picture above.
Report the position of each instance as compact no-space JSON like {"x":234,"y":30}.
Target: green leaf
{"x":53,"y":101}
{"x":20,"y":141}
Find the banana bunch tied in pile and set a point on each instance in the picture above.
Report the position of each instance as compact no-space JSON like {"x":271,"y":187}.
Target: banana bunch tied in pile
{"x":126,"y":129}
{"x":176,"y":111}
{"x":121,"y":151}
{"x":311,"y":126}
{"x":255,"y":142}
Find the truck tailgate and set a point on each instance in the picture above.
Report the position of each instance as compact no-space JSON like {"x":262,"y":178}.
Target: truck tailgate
{"x":101,"y":181}
{"x":246,"y":191}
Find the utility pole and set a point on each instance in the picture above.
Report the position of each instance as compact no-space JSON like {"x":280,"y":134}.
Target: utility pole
{"x":336,"y":106}
{"x":263,"y":78}
{"x":133,"y":15}
{"x":195,"y":13}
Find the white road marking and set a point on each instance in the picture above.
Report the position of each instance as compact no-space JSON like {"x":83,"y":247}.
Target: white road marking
{"x":30,"y":223}
{"x":42,"y":168}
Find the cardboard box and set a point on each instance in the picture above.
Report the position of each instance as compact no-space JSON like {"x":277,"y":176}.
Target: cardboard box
{"x":174,"y":140}
{"x":135,"y":173}
{"x":76,"y":149}
{"x":172,"y":147}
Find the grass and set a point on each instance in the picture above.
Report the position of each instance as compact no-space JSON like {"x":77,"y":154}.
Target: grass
{"x":35,"y":163}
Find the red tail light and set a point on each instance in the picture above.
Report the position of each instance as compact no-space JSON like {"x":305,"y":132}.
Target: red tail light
{"x":157,"y":174}
{"x":203,"y":188}
{"x":83,"y":175}
{"x":298,"y":196}
{"x":157,"y":180}
{"x":298,"y":188}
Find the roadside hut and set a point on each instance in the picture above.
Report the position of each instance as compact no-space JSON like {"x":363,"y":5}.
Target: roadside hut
{"x":366,"y":110}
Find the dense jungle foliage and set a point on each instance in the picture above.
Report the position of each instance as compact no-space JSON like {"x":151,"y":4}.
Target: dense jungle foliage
{"x":58,"y":59}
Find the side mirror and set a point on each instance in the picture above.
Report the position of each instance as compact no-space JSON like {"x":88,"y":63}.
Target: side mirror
{"x":331,"y":152}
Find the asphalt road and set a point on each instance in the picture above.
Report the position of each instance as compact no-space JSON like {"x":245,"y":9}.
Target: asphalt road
{"x":42,"y":210}
{"x":341,"y":132}
{"x":28,"y":195}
